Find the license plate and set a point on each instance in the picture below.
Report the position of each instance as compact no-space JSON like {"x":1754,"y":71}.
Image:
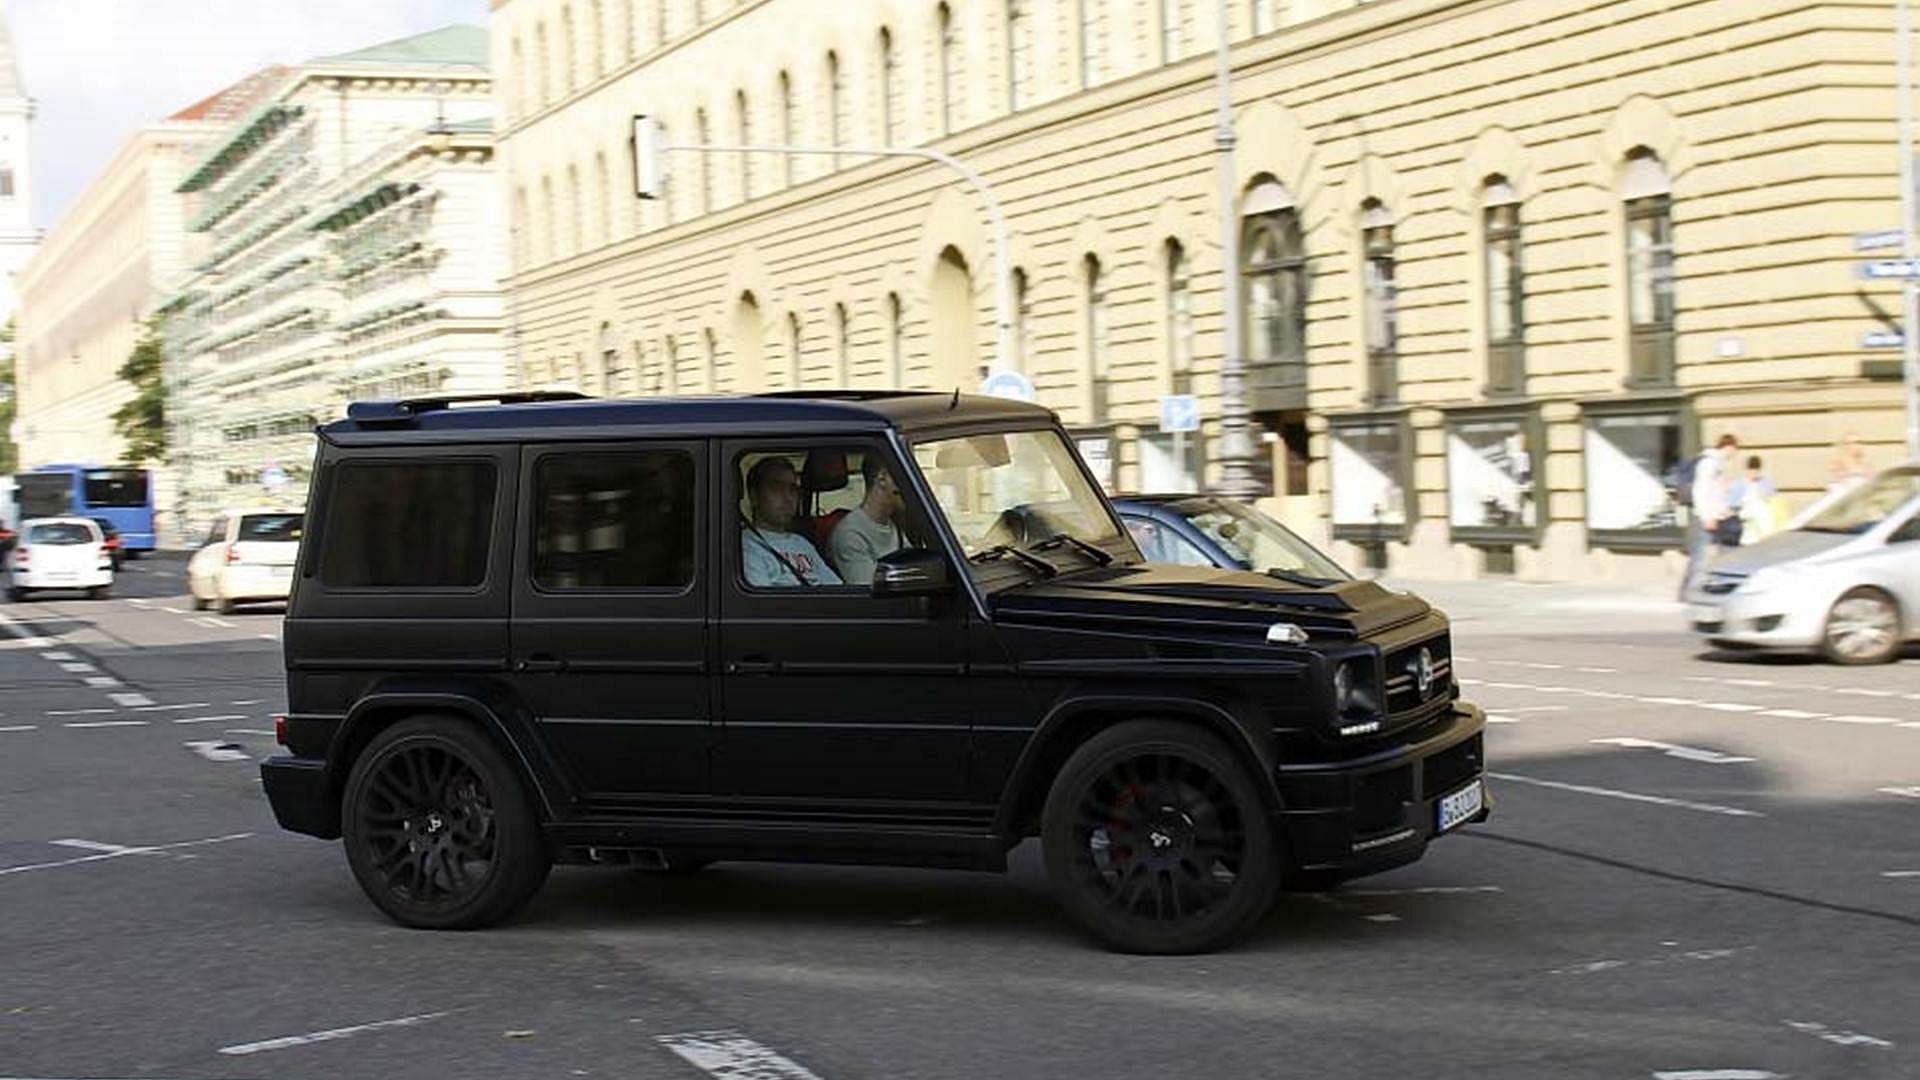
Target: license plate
{"x":1461,"y":805}
{"x":1703,"y":613}
{"x":283,"y":571}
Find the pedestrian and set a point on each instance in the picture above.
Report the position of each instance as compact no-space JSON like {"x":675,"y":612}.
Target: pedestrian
{"x":1707,"y":494}
{"x":1849,"y":464}
{"x":1755,"y":505}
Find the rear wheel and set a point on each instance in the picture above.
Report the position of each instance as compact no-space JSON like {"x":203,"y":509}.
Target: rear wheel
{"x":224,"y":606}
{"x":1862,"y":628}
{"x":199,"y":604}
{"x":99,"y":592}
{"x":16,"y":594}
{"x":440,"y":829}
{"x":1156,"y":840}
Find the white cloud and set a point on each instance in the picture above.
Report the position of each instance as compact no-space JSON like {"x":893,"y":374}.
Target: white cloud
{"x":100,"y":69}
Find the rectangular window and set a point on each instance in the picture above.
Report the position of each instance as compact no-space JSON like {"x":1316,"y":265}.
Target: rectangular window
{"x":1628,"y":457}
{"x":614,"y":520}
{"x":269,"y":528}
{"x":793,"y":504}
{"x":1650,"y":301}
{"x":116,"y":487}
{"x":1383,"y":315}
{"x":1506,"y":321}
{"x":1369,"y":479}
{"x":1490,"y":476}
{"x":408,"y":525}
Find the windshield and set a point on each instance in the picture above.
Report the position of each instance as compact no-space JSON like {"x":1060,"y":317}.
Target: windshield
{"x":1867,"y":505}
{"x":269,"y":527}
{"x":60,"y":532}
{"x":1256,"y":541}
{"x":1018,"y":489}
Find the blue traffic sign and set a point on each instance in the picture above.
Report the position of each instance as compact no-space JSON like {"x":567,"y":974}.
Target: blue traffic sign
{"x":1179,"y":412}
{"x":1888,"y":270}
{"x":1009,"y":384}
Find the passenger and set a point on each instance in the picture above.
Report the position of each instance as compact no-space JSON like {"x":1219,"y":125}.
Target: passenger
{"x":774,"y":556}
{"x":869,"y":530}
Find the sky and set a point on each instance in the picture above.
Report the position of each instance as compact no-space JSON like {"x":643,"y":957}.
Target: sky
{"x":100,"y":69}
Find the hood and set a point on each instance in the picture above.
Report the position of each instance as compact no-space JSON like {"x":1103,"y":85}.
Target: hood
{"x":1779,"y":548}
{"x":1185,"y":595}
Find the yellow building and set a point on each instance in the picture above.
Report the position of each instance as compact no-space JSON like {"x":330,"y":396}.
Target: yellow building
{"x":1504,"y":262}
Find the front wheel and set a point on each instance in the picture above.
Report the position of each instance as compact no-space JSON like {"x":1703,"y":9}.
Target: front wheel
{"x":1862,"y":628}
{"x":99,"y":592}
{"x":1156,"y":840}
{"x":440,"y":829}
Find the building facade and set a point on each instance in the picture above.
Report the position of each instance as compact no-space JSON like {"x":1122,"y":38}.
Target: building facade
{"x":355,"y":245}
{"x":97,"y":278}
{"x":1503,"y":263}
{"x":18,"y":236}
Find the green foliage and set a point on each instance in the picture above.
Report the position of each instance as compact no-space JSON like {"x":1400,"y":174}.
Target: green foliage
{"x":143,"y":420}
{"x":9,"y":453}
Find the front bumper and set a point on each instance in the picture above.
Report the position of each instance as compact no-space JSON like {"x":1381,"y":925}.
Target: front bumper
{"x":76,"y":579}
{"x":302,"y":800}
{"x":1373,"y":813}
{"x":242,"y":581}
{"x":1776,"y":619}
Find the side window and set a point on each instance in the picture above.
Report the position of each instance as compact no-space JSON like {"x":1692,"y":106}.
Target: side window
{"x":1162,"y":545}
{"x":818,"y":517}
{"x":218,"y":533}
{"x":1906,"y":533}
{"x":614,"y":520}
{"x":408,"y":525}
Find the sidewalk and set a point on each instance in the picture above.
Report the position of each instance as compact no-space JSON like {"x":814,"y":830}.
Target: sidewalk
{"x":1649,"y":606}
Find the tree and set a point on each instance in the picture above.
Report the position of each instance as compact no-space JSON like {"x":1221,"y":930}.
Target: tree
{"x":143,"y":420}
{"x":9,"y":453}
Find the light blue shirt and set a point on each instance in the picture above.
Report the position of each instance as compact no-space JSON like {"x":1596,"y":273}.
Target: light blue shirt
{"x":765,"y":570}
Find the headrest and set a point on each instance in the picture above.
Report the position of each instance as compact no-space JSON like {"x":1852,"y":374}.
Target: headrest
{"x":824,"y":470}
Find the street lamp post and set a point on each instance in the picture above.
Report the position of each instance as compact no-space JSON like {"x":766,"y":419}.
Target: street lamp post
{"x":1909,"y":288}
{"x":1236,"y":445}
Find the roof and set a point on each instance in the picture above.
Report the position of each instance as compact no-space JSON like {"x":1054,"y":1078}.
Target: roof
{"x":450,"y":46}
{"x":428,"y":420}
{"x":233,"y":102}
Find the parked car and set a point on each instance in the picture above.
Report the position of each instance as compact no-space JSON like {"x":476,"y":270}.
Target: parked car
{"x":111,"y":542}
{"x":1843,"y":580}
{"x":59,"y":553}
{"x":1207,"y":530}
{"x":553,"y":629}
{"x":247,"y":558}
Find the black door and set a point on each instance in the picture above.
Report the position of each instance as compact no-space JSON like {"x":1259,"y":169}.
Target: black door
{"x":829,"y":696}
{"x":610,"y":630}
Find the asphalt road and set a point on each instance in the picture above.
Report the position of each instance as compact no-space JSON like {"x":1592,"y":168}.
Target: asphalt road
{"x":1698,"y":867}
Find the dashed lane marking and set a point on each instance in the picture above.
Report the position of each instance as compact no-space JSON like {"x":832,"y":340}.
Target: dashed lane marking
{"x":79,"y":712}
{"x":1424,"y":890}
{"x":1716,"y":1074}
{"x":209,"y":719}
{"x":56,"y":655}
{"x":20,"y":727}
{"x":248,"y":701}
{"x":105,"y":723}
{"x":733,"y":1056}
{"x":1793,"y":714}
{"x":129,"y":699}
{"x":1837,"y":1036}
{"x":100,"y":855}
{"x":170,"y":708}
{"x":330,"y":1034}
{"x":97,"y":846}
{"x":101,"y":682}
{"x":1903,"y":792}
{"x":1900,"y":873}
{"x":1631,"y":796}
{"x":1685,"y":753}
{"x":1870,"y":720}
{"x":77,"y":666}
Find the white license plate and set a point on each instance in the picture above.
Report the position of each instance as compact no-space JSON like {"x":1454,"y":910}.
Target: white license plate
{"x":1461,"y":805}
{"x":282,"y":571}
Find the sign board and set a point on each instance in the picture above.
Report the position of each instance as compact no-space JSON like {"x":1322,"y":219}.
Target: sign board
{"x":1888,"y":270}
{"x":649,"y":157}
{"x":1008,"y":384}
{"x":1179,"y":412}
{"x":1873,"y":241}
{"x":1882,"y":339}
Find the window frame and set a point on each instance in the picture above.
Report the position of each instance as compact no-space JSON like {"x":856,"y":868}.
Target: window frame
{"x":1379,"y":533}
{"x":731,"y":456}
{"x":527,"y":573}
{"x":1506,"y":356}
{"x":1651,"y":359}
{"x":1291,"y":261}
{"x":375,"y":601}
{"x":1380,"y":299}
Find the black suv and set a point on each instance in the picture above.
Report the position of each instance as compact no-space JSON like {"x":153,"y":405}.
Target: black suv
{"x":898,"y":628}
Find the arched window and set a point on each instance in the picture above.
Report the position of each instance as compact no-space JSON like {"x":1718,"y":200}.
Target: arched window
{"x":710,"y":361}
{"x":795,"y":357}
{"x":703,"y":134}
{"x":787,"y":126}
{"x":668,"y":189}
{"x":1093,"y":41}
{"x":1382,"y":300}
{"x":893,"y":92}
{"x":749,"y":346}
{"x":1019,"y":55}
{"x":952,"y":71}
{"x":956,"y":357}
{"x":574,"y":210}
{"x":1176,"y":30}
{"x":661,"y":31}
{"x":1022,"y":321}
{"x":609,"y":360}
{"x":602,"y":201}
{"x":743,"y":136}
{"x":597,"y":36}
{"x":838,"y":125}
{"x":549,"y":224}
{"x":1179,"y":319}
{"x":896,"y":376}
{"x":1647,"y":192}
{"x":1094,"y":283}
{"x":1505,"y":287}
{"x":1274,"y":273}
{"x":543,"y":62}
{"x":568,"y":73}
{"x":842,"y":345}
{"x":669,"y":379}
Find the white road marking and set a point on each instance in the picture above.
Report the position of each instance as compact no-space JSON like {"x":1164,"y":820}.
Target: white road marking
{"x":1592,"y":967}
{"x":208,"y":620}
{"x":105,"y":723}
{"x":1599,"y":670}
{"x":732,"y":1056}
{"x":79,"y":712}
{"x":1792,"y":714}
{"x":244,"y":731}
{"x":20,"y":727}
{"x":77,"y":666}
{"x":266,"y":637}
{"x":1716,"y":1074}
{"x":28,"y":638}
{"x":1729,"y":706}
{"x":101,"y":682}
{"x":1861,"y":692}
{"x":209,"y":719}
{"x":1836,"y":1036}
{"x":4,"y":871}
{"x":1496,"y":718}
{"x":1634,"y":796}
{"x":95,"y":845}
{"x":1909,"y":792}
{"x":1543,"y":667}
{"x":1536,"y":708}
{"x":248,"y":701}
{"x":1423,"y":890}
{"x":1900,"y":873}
{"x":130,"y":699}
{"x":1670,"y":700}
{"x":1687,"y":753}
{"x":1382,"y":918}
{"x":216,"y":750}
{"x":1863,"y":719}
{"x":170,"y":708}
{"x":330,"y":1034}
{"x":56,"y":655}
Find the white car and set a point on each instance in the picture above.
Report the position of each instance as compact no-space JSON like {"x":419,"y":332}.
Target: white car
{"x":59,"y":553}
{"x":247,"y":557}
{"x":1843,"y":579}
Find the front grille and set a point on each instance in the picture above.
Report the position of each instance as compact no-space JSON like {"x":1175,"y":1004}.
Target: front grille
{"x":1451,"y":768}
{"x":1380,"y":800}
{"x":1403,"y":674}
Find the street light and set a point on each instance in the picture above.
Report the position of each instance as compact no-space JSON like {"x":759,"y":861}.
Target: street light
{"x":1236,"y":445}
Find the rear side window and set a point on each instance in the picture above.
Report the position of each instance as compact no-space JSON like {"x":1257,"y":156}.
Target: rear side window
{"x":269,"y":527}
{"x":614,"y":520}
{"x":60,"y":533}
{"x":408,"y":525}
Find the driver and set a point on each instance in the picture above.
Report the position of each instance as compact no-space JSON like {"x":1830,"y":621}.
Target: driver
{"x":871,"y":529}
{"x":774,"y":556}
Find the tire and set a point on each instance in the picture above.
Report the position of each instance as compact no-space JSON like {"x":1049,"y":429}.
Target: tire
{"x":199,"y":604}
{"x":223,"y":606}
{"x":1188,"y":793}
{"x":440,"y":829}
{"x":99,"y":592}
{"x":1862,"y":628}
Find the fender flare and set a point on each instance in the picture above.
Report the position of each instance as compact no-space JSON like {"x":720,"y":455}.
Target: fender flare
{"x":523,"y":748}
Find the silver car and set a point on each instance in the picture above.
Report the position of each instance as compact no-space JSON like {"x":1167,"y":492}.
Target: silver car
{"x":1843,"y":579}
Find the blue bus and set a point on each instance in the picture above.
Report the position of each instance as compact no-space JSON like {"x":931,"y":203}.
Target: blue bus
{"x":120,"y":495}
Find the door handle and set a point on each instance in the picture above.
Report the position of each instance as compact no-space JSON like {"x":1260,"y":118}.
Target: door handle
{"x":542,"y":662}
{"x":753,"y":665}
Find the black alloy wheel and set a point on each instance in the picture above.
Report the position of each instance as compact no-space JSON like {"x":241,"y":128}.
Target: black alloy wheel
{"x":1157,"y":841}
{"x":439,"y":828}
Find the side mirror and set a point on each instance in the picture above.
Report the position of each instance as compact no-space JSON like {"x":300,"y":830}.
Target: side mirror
{"x":911,"y":572}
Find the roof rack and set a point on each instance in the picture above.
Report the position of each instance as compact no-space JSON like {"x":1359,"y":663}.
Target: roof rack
{"x":842,"y":395}
{"x":403,"y":410}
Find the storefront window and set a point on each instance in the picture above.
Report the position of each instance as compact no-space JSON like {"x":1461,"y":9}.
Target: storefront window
{"x":1629,"y":456}
{"x":1490,"y":475}
{"x":1369,"y":477}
